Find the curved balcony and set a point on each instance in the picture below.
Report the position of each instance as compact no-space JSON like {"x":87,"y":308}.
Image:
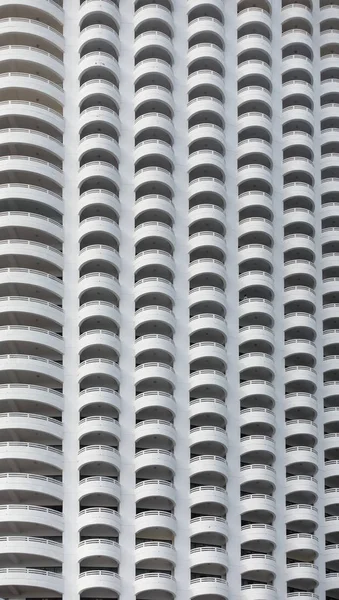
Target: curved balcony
{"x":154,"y":457}
{"x":33,"y":250}
{"x":99,"y":547}
{"x":35,"y":484}
{"x":99,"y":309}
{"x":331,"y":523}
{"x":206,"y":185}
{"x":31,"y":54}
{"x":205,"y":25}
{"x":258,"y":562}
{"x":331,"y":440}
{"x":255,"y":360}
{"x":298,"y":319}
{"x":299,"y":293}
{"x":206,"y":211}
{"x":154,"y":229}
{"x":149,"y":121}
{"x":99,"y":516}
{"x":32,"y":165}
{"x":34,"y":83}
{"x":38,"y":194}
{"x":154,"y":488}
{"x":155,"y":313}
{"x":32,"y":137}
{"x":208,"y":433}
{"x":97,"y":31}
{"x":153,"y":147}
{"x":35,"y":546}
{"x":154,"y":202}
{"x":99,"y":453}
{"x":33,"y":422}
{"x":37,"y":515}
{"x":97,"y":58}
{"x":305,"y":542}
{"x":257,"y":443}
{"x":10,"y":392}
{"x":99,"y":579}
{"x":208,"y":493}
{"x":332,"y":581}
{"x":155,"y":427}
{"x":94,"y":87}
{"x":253,"y":502}
{"x":153,"y":38}
{"x":153,"y":66}
{"x":155,"y":582}
{"x":155,"y":550}
{"x":94,"y":366}
{"x":30,"y":451}
{"x":256,"y":333}
{"x":200,"y":525}
{"x":258,"y":591}
{"x":156,"y":399}
{"x":258,"y":531}
{"x":154,"y":174}
{"x":255,"y":278}
{"x":154,"y":370}
{"x":298,"y":188}
{"x":94,"y":115}
{"x":153,"y":285}
{"x":301,"y":454}
{"x":254,"y":473}
{"x":99,"y":485}
{"x":205,"y":104}
{"x":202,"y":266}
{"x":150,"y":12}
{"x":44,"y":580}
{"x":254,"y":171}
{"x":257,"y":415}
{"x":302,"y":570}
{"x":209,"y":463}
{"x":93,"y":281}
{"x":300,"y":483}
{"x":208,"y":377}
{"x":107,"y":7}
{"x":301,"y":512}
{"x":97,"y":142}
{"x":159,"y":519}
{"x":302,"y":373}
{"x":31,"y":335}
{"x":214,"y":586}
{"x":154,"y":342}
{"x":253,"y":67}
{"x":31,"y":221}
{"x":208,"y":554}
{"x":148,"y":92}
{"x":203,"y":406}
{"x":257,"y":386}
{"x":260,"y":251}
{"x":98,"y":337}
{"x":301,"y":427}
{"x":207,"y":293}
{"x":249,"y":15}
{"x":99,"y":395}
{"x":100,"y":425}
{"x":331,"y":414}
{"x":301,"y":346}
{"x":99,"y":168}
{"x":210,"y":321}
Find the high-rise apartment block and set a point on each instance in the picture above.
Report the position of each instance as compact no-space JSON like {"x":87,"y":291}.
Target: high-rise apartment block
{"x":169,"y":299}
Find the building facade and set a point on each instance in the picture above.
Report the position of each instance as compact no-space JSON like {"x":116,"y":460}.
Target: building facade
{"x":169,"y":299}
